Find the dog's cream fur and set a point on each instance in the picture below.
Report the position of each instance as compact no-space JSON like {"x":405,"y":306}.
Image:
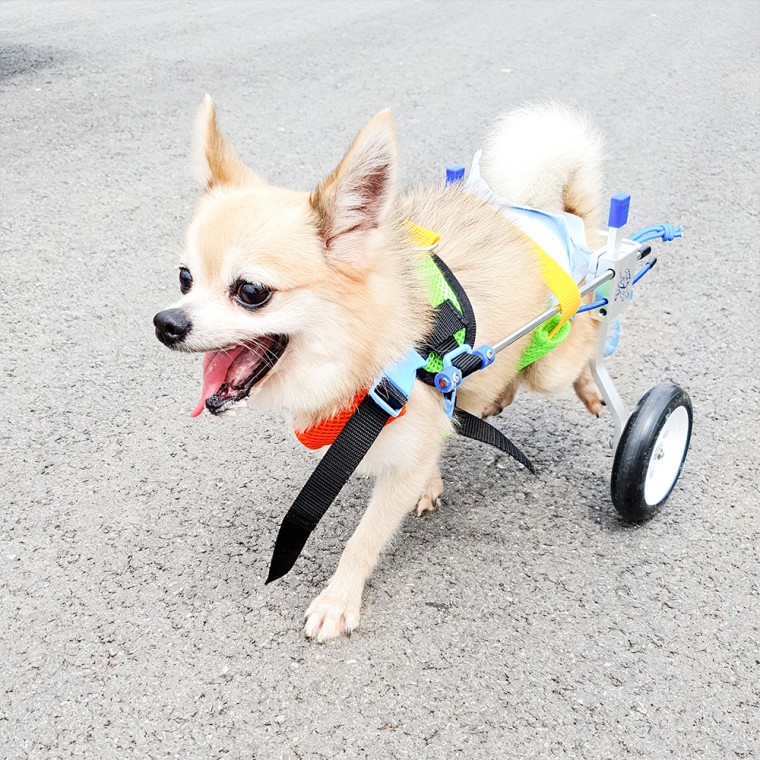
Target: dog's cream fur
{"x":348,"y":295}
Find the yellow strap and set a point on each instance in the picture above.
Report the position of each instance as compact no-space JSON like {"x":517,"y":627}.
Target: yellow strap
{"x":421,"y":237}
{"x":561,"y":284}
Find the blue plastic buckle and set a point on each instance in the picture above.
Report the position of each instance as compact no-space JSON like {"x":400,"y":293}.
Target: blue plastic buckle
{"x":450,"y":377}
{"x":401,"y":376}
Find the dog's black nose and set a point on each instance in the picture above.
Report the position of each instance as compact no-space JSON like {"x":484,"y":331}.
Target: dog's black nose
{"x":172,"y":326}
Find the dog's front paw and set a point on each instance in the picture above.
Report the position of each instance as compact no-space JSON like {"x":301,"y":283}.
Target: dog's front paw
{"x":332,"y":614}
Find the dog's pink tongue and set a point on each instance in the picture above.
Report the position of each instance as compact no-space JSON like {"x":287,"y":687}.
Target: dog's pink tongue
{"x":215,"y":366}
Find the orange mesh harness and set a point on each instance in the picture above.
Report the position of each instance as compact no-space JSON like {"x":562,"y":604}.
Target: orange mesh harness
{"x":325,"y":432}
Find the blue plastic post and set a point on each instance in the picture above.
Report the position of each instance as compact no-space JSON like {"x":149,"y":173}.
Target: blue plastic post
{"x":619,"y":205}
{"x":454,"y":173}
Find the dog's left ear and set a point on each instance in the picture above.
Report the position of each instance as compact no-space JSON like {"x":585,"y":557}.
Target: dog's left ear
{"x":216,"y":162}
{"x":357,"y":197}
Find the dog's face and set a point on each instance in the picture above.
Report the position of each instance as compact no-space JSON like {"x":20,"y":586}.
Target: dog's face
{"x":278,"y":286}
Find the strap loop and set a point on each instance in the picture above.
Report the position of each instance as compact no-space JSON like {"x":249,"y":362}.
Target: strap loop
{"x":422,"y":238}
{"x":561,"y":284}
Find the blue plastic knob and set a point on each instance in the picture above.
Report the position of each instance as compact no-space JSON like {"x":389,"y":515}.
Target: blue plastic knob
{"x":619,"y":205}
{"x":454,"y":174}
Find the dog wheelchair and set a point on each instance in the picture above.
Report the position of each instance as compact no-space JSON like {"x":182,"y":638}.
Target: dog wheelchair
{"x":652,"y":441}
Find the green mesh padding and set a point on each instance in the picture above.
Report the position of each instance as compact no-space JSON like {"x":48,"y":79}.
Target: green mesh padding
{"x":541,"y":343}
{"x":435,"y":362}
{"x":439,"y":291}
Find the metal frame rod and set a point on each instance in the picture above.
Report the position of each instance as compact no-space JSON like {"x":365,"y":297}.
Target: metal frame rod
{"x":549,"y":313}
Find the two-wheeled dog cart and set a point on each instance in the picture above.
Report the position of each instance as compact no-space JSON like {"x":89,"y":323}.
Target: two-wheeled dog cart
{"x":652,"y":442}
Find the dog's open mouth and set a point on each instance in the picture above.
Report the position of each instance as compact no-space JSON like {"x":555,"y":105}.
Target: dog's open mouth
{"x":230,"y":375}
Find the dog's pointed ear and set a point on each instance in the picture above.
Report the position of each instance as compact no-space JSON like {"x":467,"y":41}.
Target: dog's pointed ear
{"x":216,"y":162}
{"x":357,"y":197}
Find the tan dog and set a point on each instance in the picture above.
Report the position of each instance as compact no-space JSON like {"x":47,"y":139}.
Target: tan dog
{"x":300,"y":300}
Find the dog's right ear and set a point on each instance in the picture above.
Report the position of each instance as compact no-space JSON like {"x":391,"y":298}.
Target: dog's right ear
{"x":354,"y":201}
{"x":216,"y":162}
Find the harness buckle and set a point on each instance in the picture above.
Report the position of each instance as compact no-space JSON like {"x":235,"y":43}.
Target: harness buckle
{"x":450,"y":377}
{"x":392,"y":389}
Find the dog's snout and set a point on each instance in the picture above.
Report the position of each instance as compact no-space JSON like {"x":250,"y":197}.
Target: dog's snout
{"x":172,"y":326}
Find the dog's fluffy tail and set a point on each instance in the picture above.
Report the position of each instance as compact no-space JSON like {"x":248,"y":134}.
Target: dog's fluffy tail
{"x":548,"y":156}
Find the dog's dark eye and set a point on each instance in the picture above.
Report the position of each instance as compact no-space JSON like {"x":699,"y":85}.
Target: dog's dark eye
{"x":252,"y":295}
{"x":185,"y":280}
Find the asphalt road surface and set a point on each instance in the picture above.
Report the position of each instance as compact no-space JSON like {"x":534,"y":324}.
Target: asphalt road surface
{"x":523,"y":619}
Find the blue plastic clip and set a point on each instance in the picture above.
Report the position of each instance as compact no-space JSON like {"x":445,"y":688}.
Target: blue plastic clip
{"x":450,"y":377}
{"x":486,"y":354}
{"x":401,"y":376}
{"x":454,"y":174}
{"x":619,"y":205}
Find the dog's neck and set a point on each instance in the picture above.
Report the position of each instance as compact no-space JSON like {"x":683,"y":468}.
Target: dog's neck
{"x":392,"y":317}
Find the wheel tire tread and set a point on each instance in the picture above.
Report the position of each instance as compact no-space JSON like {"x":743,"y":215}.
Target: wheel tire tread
{"x":635,"y":450}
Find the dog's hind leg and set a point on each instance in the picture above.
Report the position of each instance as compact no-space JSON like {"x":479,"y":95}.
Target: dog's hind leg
{"x":588,"y":392}
{"x":498,"y":406}
{"x":568,"y":363}
{"x":431,"y":496}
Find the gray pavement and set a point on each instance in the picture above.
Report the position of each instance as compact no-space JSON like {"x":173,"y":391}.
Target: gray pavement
{"x":522,"y":620}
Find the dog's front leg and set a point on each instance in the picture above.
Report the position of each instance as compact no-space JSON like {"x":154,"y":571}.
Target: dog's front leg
{"x":336,"y":610}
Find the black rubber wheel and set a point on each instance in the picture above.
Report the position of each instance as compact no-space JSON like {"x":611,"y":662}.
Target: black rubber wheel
{"x":651,"y":452}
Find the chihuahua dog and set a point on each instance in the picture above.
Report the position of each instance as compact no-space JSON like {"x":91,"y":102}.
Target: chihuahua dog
{"x":299,"y":300}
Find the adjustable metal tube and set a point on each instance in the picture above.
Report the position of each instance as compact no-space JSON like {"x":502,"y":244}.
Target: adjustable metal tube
{"x":549,"y":313}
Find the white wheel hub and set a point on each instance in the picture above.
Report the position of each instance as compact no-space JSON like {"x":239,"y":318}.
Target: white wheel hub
{"x":667,"y":456}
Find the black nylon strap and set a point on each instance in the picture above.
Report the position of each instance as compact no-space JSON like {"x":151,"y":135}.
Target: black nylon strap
{"x":365,"y":425}
{"x":479,"y":430}
{"x":325,"y":483}
{"x":468,"y":363}
{"x":468,"y":314}
{"x":339,"y":463}
{"x":447,"y":322}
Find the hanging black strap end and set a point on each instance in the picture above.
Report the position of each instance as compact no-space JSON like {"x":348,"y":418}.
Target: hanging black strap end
{"x":528,"y":466}
{"x":332,"y":472}
{"x":290,"y":542}
{"x":473,"y":427}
